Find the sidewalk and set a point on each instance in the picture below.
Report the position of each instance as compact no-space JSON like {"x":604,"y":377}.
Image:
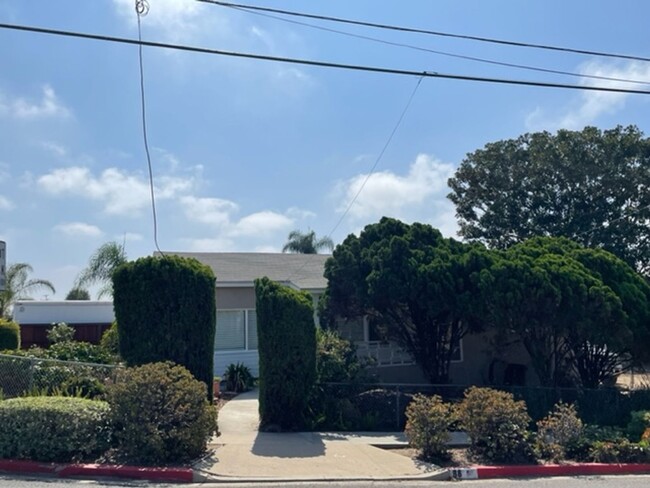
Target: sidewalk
{"x":243,"y":453}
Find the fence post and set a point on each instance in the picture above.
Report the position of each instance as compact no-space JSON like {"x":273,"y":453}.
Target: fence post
{"x":397,"y":413}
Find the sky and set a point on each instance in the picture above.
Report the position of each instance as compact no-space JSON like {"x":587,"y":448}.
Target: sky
{"x":244,"y":151}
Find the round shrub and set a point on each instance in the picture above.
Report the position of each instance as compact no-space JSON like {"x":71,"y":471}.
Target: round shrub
{"x":427,"y":426}
{"x":160,"y":414}
{"x":637,"y":426}
{"x":561,"y":429}
{"x":9,"y":335}
{"x":58,"y":429}
{"x":496,"y":424}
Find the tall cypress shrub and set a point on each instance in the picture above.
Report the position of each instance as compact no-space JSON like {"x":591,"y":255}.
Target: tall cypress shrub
{"x":167,"y":312}
{"x":287,"y":350}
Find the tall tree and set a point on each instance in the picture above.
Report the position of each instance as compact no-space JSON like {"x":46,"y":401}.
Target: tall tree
{"x":20,"y":287}
{"x":306,"y":243}
{"x":77,"y":293}
{"x":590,"y":186}
{"x":101,"y":266}
{"x":421,"y":288}
{"x":577,"y":311}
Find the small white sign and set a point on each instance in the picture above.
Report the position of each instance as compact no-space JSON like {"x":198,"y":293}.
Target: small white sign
{"x":3,"y":265}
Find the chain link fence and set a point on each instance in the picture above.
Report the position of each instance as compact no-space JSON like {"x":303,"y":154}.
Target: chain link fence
{"x":382,"y":407}
{"x":20,"y":376}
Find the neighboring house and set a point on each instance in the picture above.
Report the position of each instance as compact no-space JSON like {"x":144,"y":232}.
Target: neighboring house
{"x":88,"y":317}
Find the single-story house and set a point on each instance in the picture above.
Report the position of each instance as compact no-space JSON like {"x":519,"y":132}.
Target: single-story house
{"x":475,"y":359}
{"x":89,"y":318}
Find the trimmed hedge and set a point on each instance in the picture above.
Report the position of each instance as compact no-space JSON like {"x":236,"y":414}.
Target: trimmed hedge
{"x":287,"y":350}
{"x":160,"y":414}
{"x":167,"y":312}
{"x":9,"y":335}
{"x":59,"y":429}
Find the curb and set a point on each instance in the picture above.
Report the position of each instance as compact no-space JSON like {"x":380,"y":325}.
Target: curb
{"x":492,"y":472}
{"x":170,"y":475}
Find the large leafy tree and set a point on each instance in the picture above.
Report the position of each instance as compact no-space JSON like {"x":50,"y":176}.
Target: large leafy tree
{"x":422,"y":289}
{"x":591,"y":186}
{"x":577,"y":311}
{"x":101,"y":266}
{"x":20,"y":287}
{"x":306,"y":243}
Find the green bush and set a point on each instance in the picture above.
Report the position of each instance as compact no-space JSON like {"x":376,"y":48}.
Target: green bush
{"x":580,"y":450}
{"x":53,"y":429}
{"x":60,"y":332}
{"x":83,"y":352}
{"x":166,"y":311}
{"x":238,"y":377}
{"x":9,"y":335}
{"x":160,"y":414}
{"x":287,"y":351}
{"x":560,"y":430}
{"x":639,"y":423}
{"x":496,"y":424}
{"x":427,"y":426}
{"x":622,"y":451}
{"x":337,"y":360}
{"x":110,"y":341}
{"x":388,"y":408}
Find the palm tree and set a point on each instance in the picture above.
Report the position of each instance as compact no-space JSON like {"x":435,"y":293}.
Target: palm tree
{"x":101,"y":266}
{"x":18,"y":286}
{"x":306,"y":243}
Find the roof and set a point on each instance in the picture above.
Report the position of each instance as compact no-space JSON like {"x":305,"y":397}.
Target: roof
{"x":305,"y":271}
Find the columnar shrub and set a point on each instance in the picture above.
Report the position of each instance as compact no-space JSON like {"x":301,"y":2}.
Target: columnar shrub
{"x":9,"y":335}
{"x":287,"y":350}
{"x":167,"y":312}
{"x":53,"y":428}
{"x":497,"y":425}
{"x":160,"y":414}
{"x":427,"y":426}
{"x":561,"y":429}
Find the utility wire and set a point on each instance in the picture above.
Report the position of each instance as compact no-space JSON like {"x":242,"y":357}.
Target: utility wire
{"x":427,"y":32}
{"x":322,"y":64}
{"x":435,"y":51}
{"x":142,"y":9}
{"x":372,"y":170}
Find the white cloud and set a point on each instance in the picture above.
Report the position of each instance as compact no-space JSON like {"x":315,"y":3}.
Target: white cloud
{"x":261,"y":224}
{"x":213,"y":211}
{"x":54,"y":148}
{"x":592,"y":104}
{"x":5,"y":203}
{"x":387,"y":193}
{"x":120,"y":193}
{"x":79,"y":229}
{"x":22,"y":108}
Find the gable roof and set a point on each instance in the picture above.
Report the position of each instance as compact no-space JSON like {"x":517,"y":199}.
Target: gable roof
{"x":304,"y":271}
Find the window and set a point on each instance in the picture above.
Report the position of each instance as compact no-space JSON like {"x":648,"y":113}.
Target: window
{"x":236,"y":330}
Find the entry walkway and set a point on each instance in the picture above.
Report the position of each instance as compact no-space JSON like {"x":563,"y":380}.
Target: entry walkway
{"x":243,"y":453}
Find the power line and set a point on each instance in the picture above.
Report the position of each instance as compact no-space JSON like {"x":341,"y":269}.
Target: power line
{"x":434,"y":51}
{"x":142,"y":9}
{"x":428,"y":32}
{"x":322,"y":64}
{"x":372,"y":170}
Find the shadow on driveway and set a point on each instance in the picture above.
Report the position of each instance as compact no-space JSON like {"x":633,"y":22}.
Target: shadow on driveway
{"x":288,"y":445}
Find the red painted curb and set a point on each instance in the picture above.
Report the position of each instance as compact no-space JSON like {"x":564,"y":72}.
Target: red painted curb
{"x":172,"y":475}
{"x":21,"y":466}
{"x":486,"y":472}
{"x":178,"y":475}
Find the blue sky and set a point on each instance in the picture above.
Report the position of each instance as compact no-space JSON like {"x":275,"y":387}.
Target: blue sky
{"x":245,"y":151}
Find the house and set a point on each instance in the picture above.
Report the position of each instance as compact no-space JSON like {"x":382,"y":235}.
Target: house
{"x":88,"y":317}
{"x":475,"y":360}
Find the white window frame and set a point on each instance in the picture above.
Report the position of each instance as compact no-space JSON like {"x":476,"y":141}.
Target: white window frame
{"x":246,"y":323}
